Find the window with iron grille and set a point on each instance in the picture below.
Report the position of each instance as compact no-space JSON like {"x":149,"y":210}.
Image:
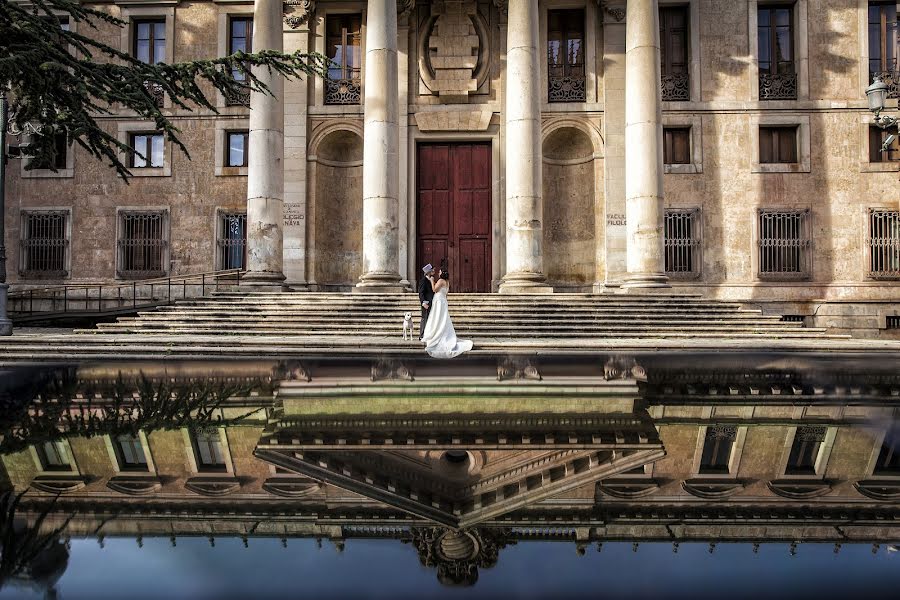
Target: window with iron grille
{"x":343,"y":48}
{"x":130,"y":453}
{"x":148,"y":150}
{"x":143,"y":244}
{"x":883,"y":45}
{"x":775,"y":35}
{"x":778,"y":144}
{"x":805,"y":450}
{"x":44,"y":244}
{"x":209,"y":451}
{"x":892,"y":322}
{"x":677,"y":145}
{"x":236,"y":147}
{"x":717,"y":447}
{"x":232,"y":241}
{"x":877,"y":137}
{"x":784,"y":244}
{"x":673,"y":46}
{"x":240,"y":39}
{"x":884,"y":244}
{"x":53,"y":456}
{"x":682,"y":242}
{"x":888,"y":462}
{"x":565,"y":55}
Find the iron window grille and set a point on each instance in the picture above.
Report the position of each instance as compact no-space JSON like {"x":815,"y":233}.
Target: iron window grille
{"x":682,"y":242}
{"x":882,"y":22}
{"x":674,"y":52}
{"x":130,"y":453}
{"x":142,"y":244}
{"x":784,"y":244}
{"x":805,"y":450}
{"x":565,"y":55}
{"x":237,"y":145}
{"x":232,"y":241}
{"x":209,"y":451}
{"x":240,"y":39}
{"x":884,"y":244}
{"x":44,"y":244}
{"x":717,"y":447}
{"x":777,"y":71}
{"x":892,"y":322}
{"x":343,"y":42}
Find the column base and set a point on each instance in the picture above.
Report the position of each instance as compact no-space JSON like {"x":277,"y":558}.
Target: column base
{"x":525,"y":283}
{"x":269,"y":281}
{"x":381,"y":282}
{"x":645,"y":283}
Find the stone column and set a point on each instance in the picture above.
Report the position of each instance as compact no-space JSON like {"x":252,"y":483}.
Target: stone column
{"x":643,"y":149}
{"x":381,"y":158}
{"x":524,"y":207}
{"x":265,"y":169}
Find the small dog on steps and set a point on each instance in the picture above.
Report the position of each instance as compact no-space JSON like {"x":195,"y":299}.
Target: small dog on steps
{"x":407,"y":326}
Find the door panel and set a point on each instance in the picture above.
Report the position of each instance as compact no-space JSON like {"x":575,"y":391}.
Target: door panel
{"x":454,"y":212}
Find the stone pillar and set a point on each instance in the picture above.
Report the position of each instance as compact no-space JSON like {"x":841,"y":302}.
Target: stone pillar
{"x":643,"y":148}
{"x":524,"y":208}
{"x":265,"y":168}
{"x":381,"y":157}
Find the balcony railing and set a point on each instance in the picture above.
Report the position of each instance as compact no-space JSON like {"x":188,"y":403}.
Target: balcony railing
{"x":238,"y":97}
{"x":569,"y":88}
{"x":676,"y":87}
{"x":891,"y":79}
{"x":777,"y":86}
{"x":342,"y":91}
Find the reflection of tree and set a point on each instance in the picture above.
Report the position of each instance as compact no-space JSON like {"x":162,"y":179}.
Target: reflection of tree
{"x":59,"y":405}
{"x":27,"y":556}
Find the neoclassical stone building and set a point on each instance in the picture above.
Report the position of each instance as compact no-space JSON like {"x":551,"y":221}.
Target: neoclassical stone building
{"x":722,"y":148}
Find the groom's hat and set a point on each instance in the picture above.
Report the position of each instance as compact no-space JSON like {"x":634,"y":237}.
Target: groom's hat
{"x":427,"y":268}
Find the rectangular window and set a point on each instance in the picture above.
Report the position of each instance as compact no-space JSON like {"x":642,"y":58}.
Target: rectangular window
{"x":44,"y":244}
{"x":53,"y":456}
{"x":717,"y":447}
{"x":805,"y":450}
{"x":565,"y":55}
{"x":883,"y":44}
{"x":209,"y":451}
{"x":673,"y":46}
{"x":778,"y":145}
{"x":232,"y":241}
{"x":240,"y":39}
{"x":682,"y":242}
{"x":888,"y":462}
{"x":877,"y":137}
{"x":237,"y":144}
{"x":884,"y":244}
{"x":343,"y":48}
{"x":784,"y":243}
{"x":150,"y":41}
{"x":143,"y":241}
{"x":677,"y":145}
{"x":775,"y":38}
{"x":60,"y":154}
{"x":148,"y":150}
{"x":130,"y":453}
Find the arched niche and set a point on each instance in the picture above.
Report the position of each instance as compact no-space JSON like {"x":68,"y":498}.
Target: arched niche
{"x":570,"y":209}
{"x":336,"y":248}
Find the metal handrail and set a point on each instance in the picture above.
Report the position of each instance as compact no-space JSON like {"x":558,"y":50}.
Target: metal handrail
{"x":84,"y":303}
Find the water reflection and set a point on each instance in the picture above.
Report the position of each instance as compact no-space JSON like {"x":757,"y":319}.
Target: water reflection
{"x":107,"y":453}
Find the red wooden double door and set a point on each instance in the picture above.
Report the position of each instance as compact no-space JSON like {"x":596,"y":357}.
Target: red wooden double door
{"x":453,"y":184}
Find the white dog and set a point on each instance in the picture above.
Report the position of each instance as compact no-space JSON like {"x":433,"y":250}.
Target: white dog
{"x":407,"y":326}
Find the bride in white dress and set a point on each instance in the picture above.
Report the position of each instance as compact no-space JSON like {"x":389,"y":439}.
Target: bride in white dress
{"x":439,"y":335}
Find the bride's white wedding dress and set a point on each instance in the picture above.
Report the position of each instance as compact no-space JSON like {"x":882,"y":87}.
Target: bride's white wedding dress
{"x":439,"y":335}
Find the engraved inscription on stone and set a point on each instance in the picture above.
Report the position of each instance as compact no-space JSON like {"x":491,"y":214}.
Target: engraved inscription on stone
{"x":293,"y":215}
{"x":613,"y":219}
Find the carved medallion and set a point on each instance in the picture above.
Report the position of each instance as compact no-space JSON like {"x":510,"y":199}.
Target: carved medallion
{"x":298,"y":12}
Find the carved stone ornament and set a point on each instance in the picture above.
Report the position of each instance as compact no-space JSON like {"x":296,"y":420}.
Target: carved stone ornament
{"x":405,"y":7}
{"x":516,"y":369}
{"x":291,"y":370}
{"x":453,"y":49}
{"x":623,"y":368}
{"x":457,"y":555}
{"x":298,"y":12}
{"x":391,"y":370}
{"x":616,"y":12}
{"x":502,"y":7}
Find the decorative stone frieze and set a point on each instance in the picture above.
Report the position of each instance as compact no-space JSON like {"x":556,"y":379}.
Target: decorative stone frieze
{"x":455,"y":48}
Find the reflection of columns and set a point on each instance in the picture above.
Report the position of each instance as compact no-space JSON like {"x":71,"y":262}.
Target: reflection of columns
{"x":524,"y":231}
{"x":643,"y":148}
{"x":381,"y":175}
{"x":265,"y":170}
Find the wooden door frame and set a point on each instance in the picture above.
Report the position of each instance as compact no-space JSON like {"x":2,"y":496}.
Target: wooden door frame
{"x":498,"y":208}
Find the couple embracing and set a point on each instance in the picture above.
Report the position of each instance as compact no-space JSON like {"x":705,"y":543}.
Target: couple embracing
{"x":436,"y":328}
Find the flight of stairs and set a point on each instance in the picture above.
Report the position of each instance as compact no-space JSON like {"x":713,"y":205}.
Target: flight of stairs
{"x":475,"y":316}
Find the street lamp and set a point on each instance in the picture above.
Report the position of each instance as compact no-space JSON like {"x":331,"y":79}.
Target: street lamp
{"x":877,"y":95}
{"x":5,"y":323}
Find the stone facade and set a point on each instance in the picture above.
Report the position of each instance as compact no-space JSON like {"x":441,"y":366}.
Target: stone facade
{"x":575,"y":211}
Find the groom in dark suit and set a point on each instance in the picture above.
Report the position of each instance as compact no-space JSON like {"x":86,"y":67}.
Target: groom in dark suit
{"x":426,"y":295}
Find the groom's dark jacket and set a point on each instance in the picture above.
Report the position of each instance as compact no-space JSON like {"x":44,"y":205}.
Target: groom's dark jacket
{"x":426,"y":294}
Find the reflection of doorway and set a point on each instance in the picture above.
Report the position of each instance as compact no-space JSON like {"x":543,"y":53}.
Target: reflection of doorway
{"x":453,"y":202}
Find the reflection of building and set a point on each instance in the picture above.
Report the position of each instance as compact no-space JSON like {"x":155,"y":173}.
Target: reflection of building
{"x":768,"y":456}
{"x":774,"y":185}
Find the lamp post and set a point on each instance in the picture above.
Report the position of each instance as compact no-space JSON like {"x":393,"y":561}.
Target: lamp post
{"x":877,"y":96}
{"x":5,"y":323}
